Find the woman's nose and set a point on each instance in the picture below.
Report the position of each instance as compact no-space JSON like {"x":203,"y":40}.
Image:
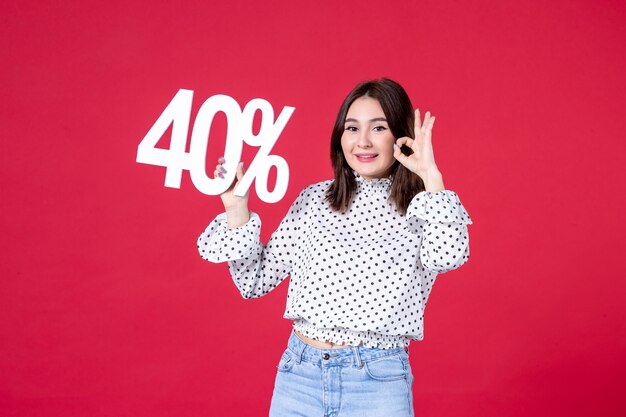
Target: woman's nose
{"x":364,"y":140}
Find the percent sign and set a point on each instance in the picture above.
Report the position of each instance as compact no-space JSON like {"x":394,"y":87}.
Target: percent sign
{"x":240,"y":130}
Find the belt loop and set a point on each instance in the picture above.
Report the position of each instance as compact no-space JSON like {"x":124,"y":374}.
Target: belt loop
{"x":357,"y":356}
{"x":301,"y":348}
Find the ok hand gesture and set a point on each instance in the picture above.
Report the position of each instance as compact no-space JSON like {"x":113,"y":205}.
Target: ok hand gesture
{"x":422,"y":160}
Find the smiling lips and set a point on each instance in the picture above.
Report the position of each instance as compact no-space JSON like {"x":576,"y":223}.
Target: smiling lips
{"x":366,"y":157}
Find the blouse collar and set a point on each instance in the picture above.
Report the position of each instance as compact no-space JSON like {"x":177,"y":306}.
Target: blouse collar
{"x":382,"y":184}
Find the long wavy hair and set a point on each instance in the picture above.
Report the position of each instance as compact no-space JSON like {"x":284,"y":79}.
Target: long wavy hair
{"x":398,"y":111}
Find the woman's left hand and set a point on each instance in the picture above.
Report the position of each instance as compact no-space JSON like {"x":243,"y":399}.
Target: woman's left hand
{"x":422,"y":160}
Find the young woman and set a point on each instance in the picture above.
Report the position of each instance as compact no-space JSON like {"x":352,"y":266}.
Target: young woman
{"x":362,"y":250}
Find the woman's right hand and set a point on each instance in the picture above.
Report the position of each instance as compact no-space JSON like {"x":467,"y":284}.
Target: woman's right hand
{"x":236,"y":207}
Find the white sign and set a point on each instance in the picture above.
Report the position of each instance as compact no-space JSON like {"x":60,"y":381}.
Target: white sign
{"x":175,"y":159}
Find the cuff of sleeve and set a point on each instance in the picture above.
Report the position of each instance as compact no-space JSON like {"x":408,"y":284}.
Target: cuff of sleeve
{"x":218,"y":243}
{"x":437,"y":207}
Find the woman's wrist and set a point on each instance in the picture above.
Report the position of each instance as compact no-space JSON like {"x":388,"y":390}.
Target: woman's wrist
{"x":433,"y":180}
{"x":237,"y":216}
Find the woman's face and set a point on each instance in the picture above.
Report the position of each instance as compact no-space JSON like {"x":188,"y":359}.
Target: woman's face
{"x":367,"y":142}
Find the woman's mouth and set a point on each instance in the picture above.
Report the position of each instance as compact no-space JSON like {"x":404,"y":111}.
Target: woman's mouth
{"x":366,"y":157}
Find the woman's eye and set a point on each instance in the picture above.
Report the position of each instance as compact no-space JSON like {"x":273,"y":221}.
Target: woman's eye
{"x":379,"y":128}
{"x":351,"y":128}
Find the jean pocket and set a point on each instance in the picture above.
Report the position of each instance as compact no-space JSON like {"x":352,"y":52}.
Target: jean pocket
{"x":286,"y":361}
{"x":389,"y":368}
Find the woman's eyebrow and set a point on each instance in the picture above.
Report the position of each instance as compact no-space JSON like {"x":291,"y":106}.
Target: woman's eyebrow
{"x":377,"y":119}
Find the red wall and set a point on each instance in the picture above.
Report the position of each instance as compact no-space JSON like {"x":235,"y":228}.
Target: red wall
{"x":107,"y":308}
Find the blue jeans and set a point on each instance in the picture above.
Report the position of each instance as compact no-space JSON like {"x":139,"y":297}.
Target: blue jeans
{"x":344,"y":382}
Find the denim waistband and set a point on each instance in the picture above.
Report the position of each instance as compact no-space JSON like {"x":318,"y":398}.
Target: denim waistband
{"x":346,"y":356}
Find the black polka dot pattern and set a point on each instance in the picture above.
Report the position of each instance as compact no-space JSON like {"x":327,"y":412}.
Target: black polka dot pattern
{"x":360,"y":276}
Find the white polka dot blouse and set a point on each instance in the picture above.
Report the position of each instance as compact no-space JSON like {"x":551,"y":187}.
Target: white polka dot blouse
{"x":362,"y":276}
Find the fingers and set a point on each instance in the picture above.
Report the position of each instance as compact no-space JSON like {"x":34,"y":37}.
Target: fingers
{"x":240,"y":171}
{"x":220,"y":170}
{"x":418,"y":121}
{"x":405,"y":141}
{"x":429,"y":121}
{"x":432,"y":123}
{"x":427,"y":126}
{"x":397,"y":153}
{"x":397,"y":149}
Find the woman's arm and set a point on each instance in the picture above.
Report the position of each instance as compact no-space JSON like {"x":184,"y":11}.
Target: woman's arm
{"x":436,"y":213}
{"x":255,"y":268}
{"x":442,"y":221}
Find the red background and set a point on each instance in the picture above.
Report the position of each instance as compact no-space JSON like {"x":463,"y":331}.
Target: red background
{"x":107,"y":308}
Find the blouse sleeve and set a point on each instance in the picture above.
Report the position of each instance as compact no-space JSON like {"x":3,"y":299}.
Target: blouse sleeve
{"x":442,"y":220}
{"x":255,"y":268}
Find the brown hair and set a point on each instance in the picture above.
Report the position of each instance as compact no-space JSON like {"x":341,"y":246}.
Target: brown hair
{"x":400,"y":117}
